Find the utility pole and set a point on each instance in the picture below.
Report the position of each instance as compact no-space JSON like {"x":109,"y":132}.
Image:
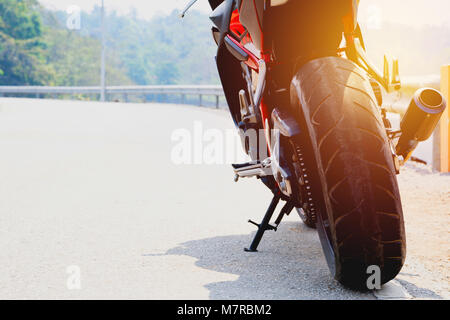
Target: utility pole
{"x":102,"y":71}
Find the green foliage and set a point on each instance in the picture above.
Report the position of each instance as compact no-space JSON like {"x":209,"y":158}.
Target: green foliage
{"x":36,"y":53}
{"x":75,"y":57}
{"x":163,"y":50}
{"x":76,"y":60}
{"x":19,"y":19}
{"x":22,"y":58}
{"x":36,"y":48}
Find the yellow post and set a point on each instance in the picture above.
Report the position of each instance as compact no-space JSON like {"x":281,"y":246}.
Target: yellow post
{"x":444,"y":125}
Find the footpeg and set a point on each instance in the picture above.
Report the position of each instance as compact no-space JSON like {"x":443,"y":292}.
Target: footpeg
{"x":252,"y":169}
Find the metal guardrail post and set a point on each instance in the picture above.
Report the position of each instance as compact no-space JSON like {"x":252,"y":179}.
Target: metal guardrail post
{"x":441,"y":143}
{"x":217,"y":102}
{"x":200,"y":102}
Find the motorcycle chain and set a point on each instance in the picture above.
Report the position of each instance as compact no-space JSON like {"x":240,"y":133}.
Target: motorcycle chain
{"x":305,"y":183}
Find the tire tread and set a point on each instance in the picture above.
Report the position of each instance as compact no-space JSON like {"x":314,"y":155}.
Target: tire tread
{"x":353,"y":158}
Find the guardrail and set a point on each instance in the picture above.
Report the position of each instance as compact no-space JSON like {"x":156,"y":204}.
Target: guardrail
{"x":125,"y":91}
{"x":181,"y":90}
{"x":441,"y":153}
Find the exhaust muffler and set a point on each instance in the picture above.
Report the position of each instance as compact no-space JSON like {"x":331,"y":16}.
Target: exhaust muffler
{"x":420,"y":120}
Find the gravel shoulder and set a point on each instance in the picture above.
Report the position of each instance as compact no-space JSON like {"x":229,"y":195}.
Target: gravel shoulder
{"x":426,"y":206}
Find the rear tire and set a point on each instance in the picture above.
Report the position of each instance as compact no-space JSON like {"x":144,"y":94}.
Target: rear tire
{"x":360,"y":219}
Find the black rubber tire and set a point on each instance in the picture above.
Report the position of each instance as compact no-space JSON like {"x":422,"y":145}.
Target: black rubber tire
{"x":360,"y":219}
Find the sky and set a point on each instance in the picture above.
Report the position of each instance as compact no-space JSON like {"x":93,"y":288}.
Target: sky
{"x":374,"y":12}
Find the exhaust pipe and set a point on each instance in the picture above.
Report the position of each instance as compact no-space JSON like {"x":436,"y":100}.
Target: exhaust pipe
{"x":420,"y":120}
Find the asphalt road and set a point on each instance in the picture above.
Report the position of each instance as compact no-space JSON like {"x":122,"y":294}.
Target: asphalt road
{"x":93,"y":207}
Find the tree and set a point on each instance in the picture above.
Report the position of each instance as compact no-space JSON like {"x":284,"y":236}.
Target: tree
{"x":162,"y":50}
{"x":21,"y":49}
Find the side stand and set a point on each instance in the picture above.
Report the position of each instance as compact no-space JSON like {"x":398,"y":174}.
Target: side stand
{"x":265,"y":223}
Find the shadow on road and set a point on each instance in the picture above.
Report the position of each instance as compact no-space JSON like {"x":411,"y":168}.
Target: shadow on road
{"x":290,"y":265}
{"x":418,"y":292}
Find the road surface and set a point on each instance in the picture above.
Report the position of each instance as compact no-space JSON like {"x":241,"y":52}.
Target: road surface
{"x":93,"y":207}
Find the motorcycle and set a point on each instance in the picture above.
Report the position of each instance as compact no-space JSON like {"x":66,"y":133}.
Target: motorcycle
{"x":298,"y":71}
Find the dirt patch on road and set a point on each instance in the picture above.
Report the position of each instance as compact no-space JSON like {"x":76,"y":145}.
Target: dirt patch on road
{"x":426,"y":207}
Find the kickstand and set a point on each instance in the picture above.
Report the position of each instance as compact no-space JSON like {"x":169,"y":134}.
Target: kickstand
{"x":265,"y":224}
